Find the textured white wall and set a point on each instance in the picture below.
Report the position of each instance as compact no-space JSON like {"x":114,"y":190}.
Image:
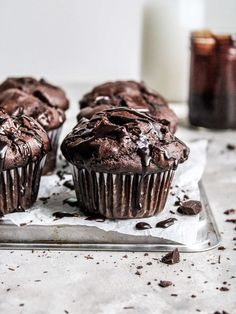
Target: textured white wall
{"x":71,"y":40}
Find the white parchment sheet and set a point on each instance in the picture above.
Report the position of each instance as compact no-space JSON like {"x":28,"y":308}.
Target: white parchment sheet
{"x":184,"y":230}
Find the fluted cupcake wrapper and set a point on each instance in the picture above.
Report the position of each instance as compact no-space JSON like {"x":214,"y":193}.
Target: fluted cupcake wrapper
{"x":19,"y":186}
{"x":50,"y":163}
{"x":122,"y":195}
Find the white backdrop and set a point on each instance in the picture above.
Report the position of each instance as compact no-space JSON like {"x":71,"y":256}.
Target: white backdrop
{"x":71,"y":40}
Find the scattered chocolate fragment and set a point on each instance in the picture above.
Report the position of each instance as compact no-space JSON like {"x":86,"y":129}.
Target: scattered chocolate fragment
{"x":44,"y":199}
{"x":69,"y":184}
{"x":230,"y":146}
{"x":190,"y":207}
{"x":233,"y":221}
{"x":171,"y":257}
{"x":166,"y":223}
{"x":71,"y":201}
{"x":165,"y":283}
{"x":174,"y":295}
{"x":138,"y":273}
{"x":230,"y":211}
{"x":142,"y":226}
{"x":96,"y":217}
{"x":224,"y":289}
{"x":221,"y":248}
{"x":60,"y":215}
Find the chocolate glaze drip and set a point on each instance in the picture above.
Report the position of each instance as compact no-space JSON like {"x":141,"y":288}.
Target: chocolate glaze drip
{"x":41,"y":89}
{"x":22,"y":140}
{"x":15,"y":101}
{"x":129,"y":94}
{"x":120,"y":140}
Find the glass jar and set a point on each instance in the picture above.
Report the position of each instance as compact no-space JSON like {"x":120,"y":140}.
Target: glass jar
{"x":212,"y":94}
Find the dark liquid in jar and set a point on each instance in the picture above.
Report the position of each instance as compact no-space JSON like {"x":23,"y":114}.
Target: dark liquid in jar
{"x":212,"y":97}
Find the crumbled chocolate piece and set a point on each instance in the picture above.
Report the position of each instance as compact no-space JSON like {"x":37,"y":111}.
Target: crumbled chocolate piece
{"x":221,"y":248}
{"x":190,"y":207}
{"x":60,"y":215}
{"x":142,"y":226}
{"x":97,"y":217}
{"x":174,"y":295}
{"x":224,"y":289}
{"x":230,"y":211}
{"x":139,"y":267}
{"x":231,"y":220}
{"x":138,"y":273}
{"x":71,"y":201}
{"x":44,"y":199}
{"x":69,"y":184}
{"x":165,"y":283}
{"x":166,"y":223}
{"x":230,"y":146}
{"x":171,"y":257}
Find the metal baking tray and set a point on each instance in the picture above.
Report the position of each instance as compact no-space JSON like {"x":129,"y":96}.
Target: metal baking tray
{"x":68,"y":237}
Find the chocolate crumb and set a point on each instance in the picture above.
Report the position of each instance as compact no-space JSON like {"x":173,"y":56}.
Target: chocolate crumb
{"x":231,"y":220}
{"x":190,"y":207}
{"x":193,"y":296}
{"x":138,"y":273}
{"x":139,"y":267}
{"x":221,"y":248}
{"x":165,"y":283}
{"x":230,"y":211}
{"x":149,"y":263}
{"x":69,"y":184}
{"x":71,"y":201}
{"x":230,"y":146}
{"x":224,"y":289}
{"x":166,"y":223}
{"x":174,"y":295}
{"x":171,"y":257}
{"x":96,"y":217}
{"x":59,"y":215}
{"x":142,"y":226}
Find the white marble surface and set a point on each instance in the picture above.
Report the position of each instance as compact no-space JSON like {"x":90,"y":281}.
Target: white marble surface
{"x":105,"y":282}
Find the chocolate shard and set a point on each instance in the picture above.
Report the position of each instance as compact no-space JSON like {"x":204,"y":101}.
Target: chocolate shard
{"x":190,"y":207}
{"x":233,"y":221}
{"x":171,"y":258}
{"x":165,"y":283}
{"x":230,"y":147}
{"x":142,"y":226}
{"x":166,"y":223}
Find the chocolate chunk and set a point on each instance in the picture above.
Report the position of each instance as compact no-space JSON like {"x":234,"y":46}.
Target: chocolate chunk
{"x":230,"y":146}
{"x":165,"y":283}
{"x":96,"y":217}
{"x":71,"y":201}
{"x":231,"y":220}
{"x":171,"y":257}
{"x":142,"y":226}
{"x":230,"y":211}
{"x":221,"y":248}
{"x":190,"y":207}
{"x":166,"y":223}
{"x":69,"y":184}
{"x":60,"y":215}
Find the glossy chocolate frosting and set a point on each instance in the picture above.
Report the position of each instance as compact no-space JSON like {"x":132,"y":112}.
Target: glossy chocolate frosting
{"x":14,"y":101}
{"x":123,"y":140}
{"x":41,"y":89}
{"x":128,"y":94}
{"x":22,"y":140}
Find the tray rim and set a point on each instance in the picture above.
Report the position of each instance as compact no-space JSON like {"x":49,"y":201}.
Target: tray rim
{"x":214,"y":240}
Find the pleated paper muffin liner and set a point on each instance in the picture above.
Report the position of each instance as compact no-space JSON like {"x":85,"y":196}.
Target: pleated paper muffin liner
{"x":19,"y":187}
{"x":122,"y":195}
{"x":51,"y":159}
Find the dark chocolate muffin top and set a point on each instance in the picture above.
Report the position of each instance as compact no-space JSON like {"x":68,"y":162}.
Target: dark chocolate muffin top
{"x":22,"y":140}
{"x":13,"y":101}
{"x":130,"y":94}
{"x":122,"y":140}
{"x":41,"y":89}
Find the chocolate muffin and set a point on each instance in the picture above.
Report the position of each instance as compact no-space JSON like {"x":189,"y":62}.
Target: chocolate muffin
{"x":41,"y":89}
{"x":23,"y":147}
{"x":130,"y":94}
{"x":51,"y":118}
{"x":123,"y":163}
